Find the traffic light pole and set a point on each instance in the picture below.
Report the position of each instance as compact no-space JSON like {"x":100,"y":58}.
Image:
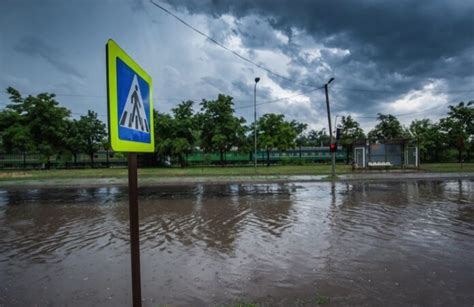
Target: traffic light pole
{"x":255,"y":122}
{"x":255,"y":126}
{"x":333,"y":153}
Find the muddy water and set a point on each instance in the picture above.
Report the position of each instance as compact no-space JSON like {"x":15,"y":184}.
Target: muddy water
{"x":394,"y":243}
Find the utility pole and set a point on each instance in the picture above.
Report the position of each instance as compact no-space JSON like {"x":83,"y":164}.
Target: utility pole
{"x":333,"y":153}
{"x":255,"y":122}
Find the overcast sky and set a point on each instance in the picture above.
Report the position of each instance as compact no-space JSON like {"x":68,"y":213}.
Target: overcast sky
{"x":408,"y":58}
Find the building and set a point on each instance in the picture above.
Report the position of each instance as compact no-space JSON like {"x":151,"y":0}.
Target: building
{"x":398,"y":153}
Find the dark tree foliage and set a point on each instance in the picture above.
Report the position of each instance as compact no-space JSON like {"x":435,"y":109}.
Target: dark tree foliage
{"x":299,"y":129}
{"x":91,"y":134}
{"x":317,"y":138}
{"x":16,"y":135}
{"x":220,"y":128}
{"x":428,"y":138}
{"x":176,"y":135}
{"x":458,"y":127}
{"x":41,"y":121}
{"x":350,"y":132}
{"x":275,"y":132}
{"x":39,"y":124}
{"x":72,"y":141}
{"x":387,"y":128}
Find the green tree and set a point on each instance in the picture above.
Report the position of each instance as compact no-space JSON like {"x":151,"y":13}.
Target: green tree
{"x":163,"y":134}
{"x":184,"y":127}
{"x":428,"y":138}
{"x":176,"y":134}
{"x":388,"y":128}
{"x":458,"y":127}
{"x":275,"y":132}
{"x":44,"y":119}
{"x":350,"y":131}
{"x":107,"y":147}
{"x":72,"y":140}
{"x":300,"y":136}
{"x":91,"y":134}
{"x":15,"y":134}
{"x":220,"y":129}
{"x":317,"y":138}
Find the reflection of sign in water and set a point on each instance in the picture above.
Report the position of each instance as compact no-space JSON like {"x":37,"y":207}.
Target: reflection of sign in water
{"x":133,"y":115}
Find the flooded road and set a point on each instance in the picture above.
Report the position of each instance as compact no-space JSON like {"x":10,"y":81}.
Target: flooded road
{"x":393,"y":243}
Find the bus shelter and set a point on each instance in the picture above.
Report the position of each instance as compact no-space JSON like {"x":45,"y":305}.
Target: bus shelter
{"x":397,"y":153}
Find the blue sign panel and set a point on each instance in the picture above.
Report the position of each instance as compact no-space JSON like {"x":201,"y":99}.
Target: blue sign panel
{"x":134,"y":111}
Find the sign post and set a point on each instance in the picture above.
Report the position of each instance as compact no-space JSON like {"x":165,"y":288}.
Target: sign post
{"x":134,"y":229}
{"x":130,"y":121}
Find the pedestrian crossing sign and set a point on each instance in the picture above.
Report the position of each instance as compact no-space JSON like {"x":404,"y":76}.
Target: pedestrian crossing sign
{"x":130,"y":106}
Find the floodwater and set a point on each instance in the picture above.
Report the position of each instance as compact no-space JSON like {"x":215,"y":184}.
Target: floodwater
{"x":361,"y":243}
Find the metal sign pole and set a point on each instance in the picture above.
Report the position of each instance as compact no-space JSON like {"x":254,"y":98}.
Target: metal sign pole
{"x":134,"y":229}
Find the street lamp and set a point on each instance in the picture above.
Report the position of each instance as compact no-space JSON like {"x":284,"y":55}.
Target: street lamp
{"x":255,"y":121}
{"x":333,"y":152}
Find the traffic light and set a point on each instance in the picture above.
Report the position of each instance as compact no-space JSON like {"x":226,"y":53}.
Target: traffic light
{"x":338,"y":133}
{"x":332,"y":147}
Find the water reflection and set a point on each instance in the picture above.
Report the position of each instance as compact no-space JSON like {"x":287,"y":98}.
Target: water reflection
{"x":38,"y":223}
{"x":216,"y":223}
{"x":217,"y":244}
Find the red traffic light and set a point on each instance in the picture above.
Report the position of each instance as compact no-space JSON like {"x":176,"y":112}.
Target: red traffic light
{"x":332,"y":147}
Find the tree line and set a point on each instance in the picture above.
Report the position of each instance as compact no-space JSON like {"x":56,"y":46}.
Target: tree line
{"x":39,"y":124}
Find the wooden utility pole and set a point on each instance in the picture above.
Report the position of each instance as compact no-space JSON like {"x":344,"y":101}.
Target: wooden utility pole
{"x":333,"y":153}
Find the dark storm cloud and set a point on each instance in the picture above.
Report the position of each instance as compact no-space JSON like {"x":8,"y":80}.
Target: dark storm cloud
{"x":392,"y":46}
{"x":397,"y":32}
{"x":389,"y":48}
{"x":33,"y":46}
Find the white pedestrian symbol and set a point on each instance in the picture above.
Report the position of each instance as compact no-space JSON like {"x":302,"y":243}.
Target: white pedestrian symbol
{"x":133,"y":115}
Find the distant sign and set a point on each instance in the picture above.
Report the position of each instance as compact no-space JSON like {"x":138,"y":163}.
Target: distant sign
{"x":130,"y":106}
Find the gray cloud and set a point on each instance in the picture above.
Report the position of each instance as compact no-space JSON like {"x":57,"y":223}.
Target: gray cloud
{"x":401,"y":30}
{"x":393,"y":46}
{"x":389,"y":48}
{"x":33,"y":46}
{"x":218,"y":83}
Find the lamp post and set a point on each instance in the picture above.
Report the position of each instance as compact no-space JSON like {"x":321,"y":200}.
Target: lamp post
{"x":333,"y":153}
{"x":255,"y":122}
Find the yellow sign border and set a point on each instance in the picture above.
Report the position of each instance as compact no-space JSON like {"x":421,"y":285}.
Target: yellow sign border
{"x":113,"y":51}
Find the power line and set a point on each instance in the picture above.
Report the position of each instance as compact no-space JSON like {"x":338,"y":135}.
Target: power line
{"x":198,"y":99}
{"x":420,"y":112}
{"x":207,"y":36}
{"x":405,"y":114}
{"x":393,"y":91}
{"x":279,"y":99}
{"x":238,"y":107}
{"x":80,"y":95}
{"x":74,"y":113}
{"x":269,"y":102}
{"x":154,"y":99}
{"x":226,"y":48}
